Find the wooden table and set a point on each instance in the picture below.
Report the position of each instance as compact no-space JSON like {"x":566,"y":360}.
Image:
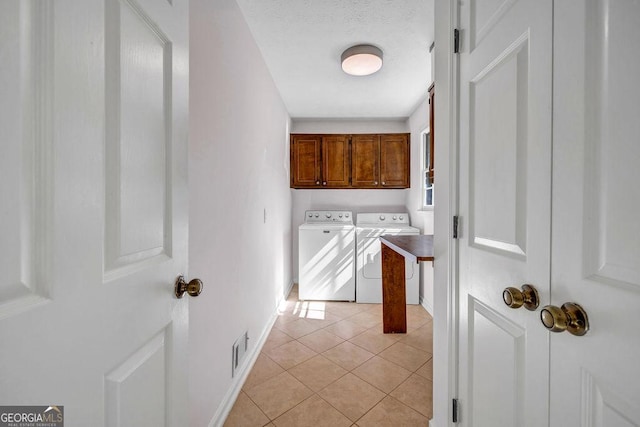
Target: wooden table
{"x":395,"y":250}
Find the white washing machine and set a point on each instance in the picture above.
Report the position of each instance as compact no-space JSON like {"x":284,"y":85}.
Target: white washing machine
{"x":369,"y":227}
{"x":326,"y":256}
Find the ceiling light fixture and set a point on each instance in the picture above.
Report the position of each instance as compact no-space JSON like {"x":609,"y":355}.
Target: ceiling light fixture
{"x":361,"y":60}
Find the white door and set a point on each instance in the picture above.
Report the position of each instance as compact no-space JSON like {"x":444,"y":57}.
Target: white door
{"x":505,"y":210}
{"x":93,"y":219}
{"x":595,"y":378}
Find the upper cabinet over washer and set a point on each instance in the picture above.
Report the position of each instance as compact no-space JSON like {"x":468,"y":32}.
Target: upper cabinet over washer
{"x":350,"y":161}
{"x":320,"y":161}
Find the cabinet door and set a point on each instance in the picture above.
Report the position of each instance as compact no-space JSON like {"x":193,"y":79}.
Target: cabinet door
{"x":394,"y":161}
{"x":365,"y":163}
{"x":335,"y":161}
{"x":305,"y":160}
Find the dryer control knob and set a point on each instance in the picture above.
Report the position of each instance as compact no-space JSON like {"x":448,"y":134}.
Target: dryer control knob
{"x":401,"y":217}
{"x":328,"y":214}
{"x":316,"y":215}
{"x":382,"y":217}
{"x":395,"y":217}
{"x":346,"y":215}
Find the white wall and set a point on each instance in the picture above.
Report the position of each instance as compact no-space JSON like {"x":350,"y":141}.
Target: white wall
{"x":239,"y":163}
{"x":353,"y":200}
{"x":421,"y":218}
{"x":349,"y":126}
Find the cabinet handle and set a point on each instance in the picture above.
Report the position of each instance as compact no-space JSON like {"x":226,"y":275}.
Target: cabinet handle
{"x":384,"y":183}
{"x":375,"y":182}
{"x":324,"y":183}
{"x":317,"y":182}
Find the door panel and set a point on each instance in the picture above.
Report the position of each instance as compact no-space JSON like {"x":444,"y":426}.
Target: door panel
{"x":95,"y":169}
{"x":498,"y":152}
{"x":25,"y":164}
{"x":305,"y":161}
{"x":394,"y":161}
{"x":505,"y":182}
{"x":365,"y":163}
{"x":595,"y":223}
{"x":140,"y":372}
{"x":498,"y":353}
{"x":336,"y":160}
{"x":138,"y":139}
{"x":611,"y":190}
{"x":485,"y":16}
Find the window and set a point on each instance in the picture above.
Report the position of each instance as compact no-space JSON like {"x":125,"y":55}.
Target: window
{"x":427,"y":171}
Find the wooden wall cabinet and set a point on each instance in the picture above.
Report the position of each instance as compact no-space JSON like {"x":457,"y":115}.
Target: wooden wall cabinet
{"x":320,"y":161}
{"x":380,"y":161}
{"x":394,"y":161}
{"x":336,"y":159}
{"x":365,"y":164}
{"x":350,"y":161}
{"x":305,"y":161}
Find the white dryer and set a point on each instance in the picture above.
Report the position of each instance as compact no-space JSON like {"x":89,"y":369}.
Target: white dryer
{"x":326,"y":256}
{"x":369,"y":227}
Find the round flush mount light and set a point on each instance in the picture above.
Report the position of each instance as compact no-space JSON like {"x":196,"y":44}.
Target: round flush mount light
{"x":361,"y":60}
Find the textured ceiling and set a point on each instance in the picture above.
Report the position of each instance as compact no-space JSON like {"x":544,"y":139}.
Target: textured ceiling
{"x":302,"y":40}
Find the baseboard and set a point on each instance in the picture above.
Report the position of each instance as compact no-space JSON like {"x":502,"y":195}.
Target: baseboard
{"x":429,"y":309}
{"x":288,"y":290}
{"x":426,"y":305}
{"x":232,"y":394}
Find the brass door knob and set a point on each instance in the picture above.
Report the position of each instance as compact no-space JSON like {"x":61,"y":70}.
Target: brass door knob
{"x":193,"y":288}
{"x":570,"y":317}
{"x":515,"y":298}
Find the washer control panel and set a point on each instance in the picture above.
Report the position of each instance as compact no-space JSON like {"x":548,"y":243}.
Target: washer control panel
{"x":383,"y":218}
{"x":345,"y":217}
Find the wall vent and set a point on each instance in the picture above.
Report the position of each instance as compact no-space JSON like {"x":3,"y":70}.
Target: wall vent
{"x":238,"y":352}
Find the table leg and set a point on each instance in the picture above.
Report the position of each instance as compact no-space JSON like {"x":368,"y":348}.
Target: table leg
{"x":394,"y":300}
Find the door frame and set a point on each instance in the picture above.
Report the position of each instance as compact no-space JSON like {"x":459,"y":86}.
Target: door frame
{"x":446,"y":304}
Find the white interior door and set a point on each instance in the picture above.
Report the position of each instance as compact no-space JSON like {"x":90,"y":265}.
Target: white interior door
{"x":504,"y":196}
{"x":595,"y":378}
{"x":93,"y":220}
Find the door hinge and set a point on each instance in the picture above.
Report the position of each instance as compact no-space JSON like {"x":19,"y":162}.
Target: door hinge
{"x":456,"y":222}
{"x":454,"y":411}
{"x":456,"y":41}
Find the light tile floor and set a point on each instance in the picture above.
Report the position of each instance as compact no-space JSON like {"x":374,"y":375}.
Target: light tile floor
{"x":329,"y":364}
